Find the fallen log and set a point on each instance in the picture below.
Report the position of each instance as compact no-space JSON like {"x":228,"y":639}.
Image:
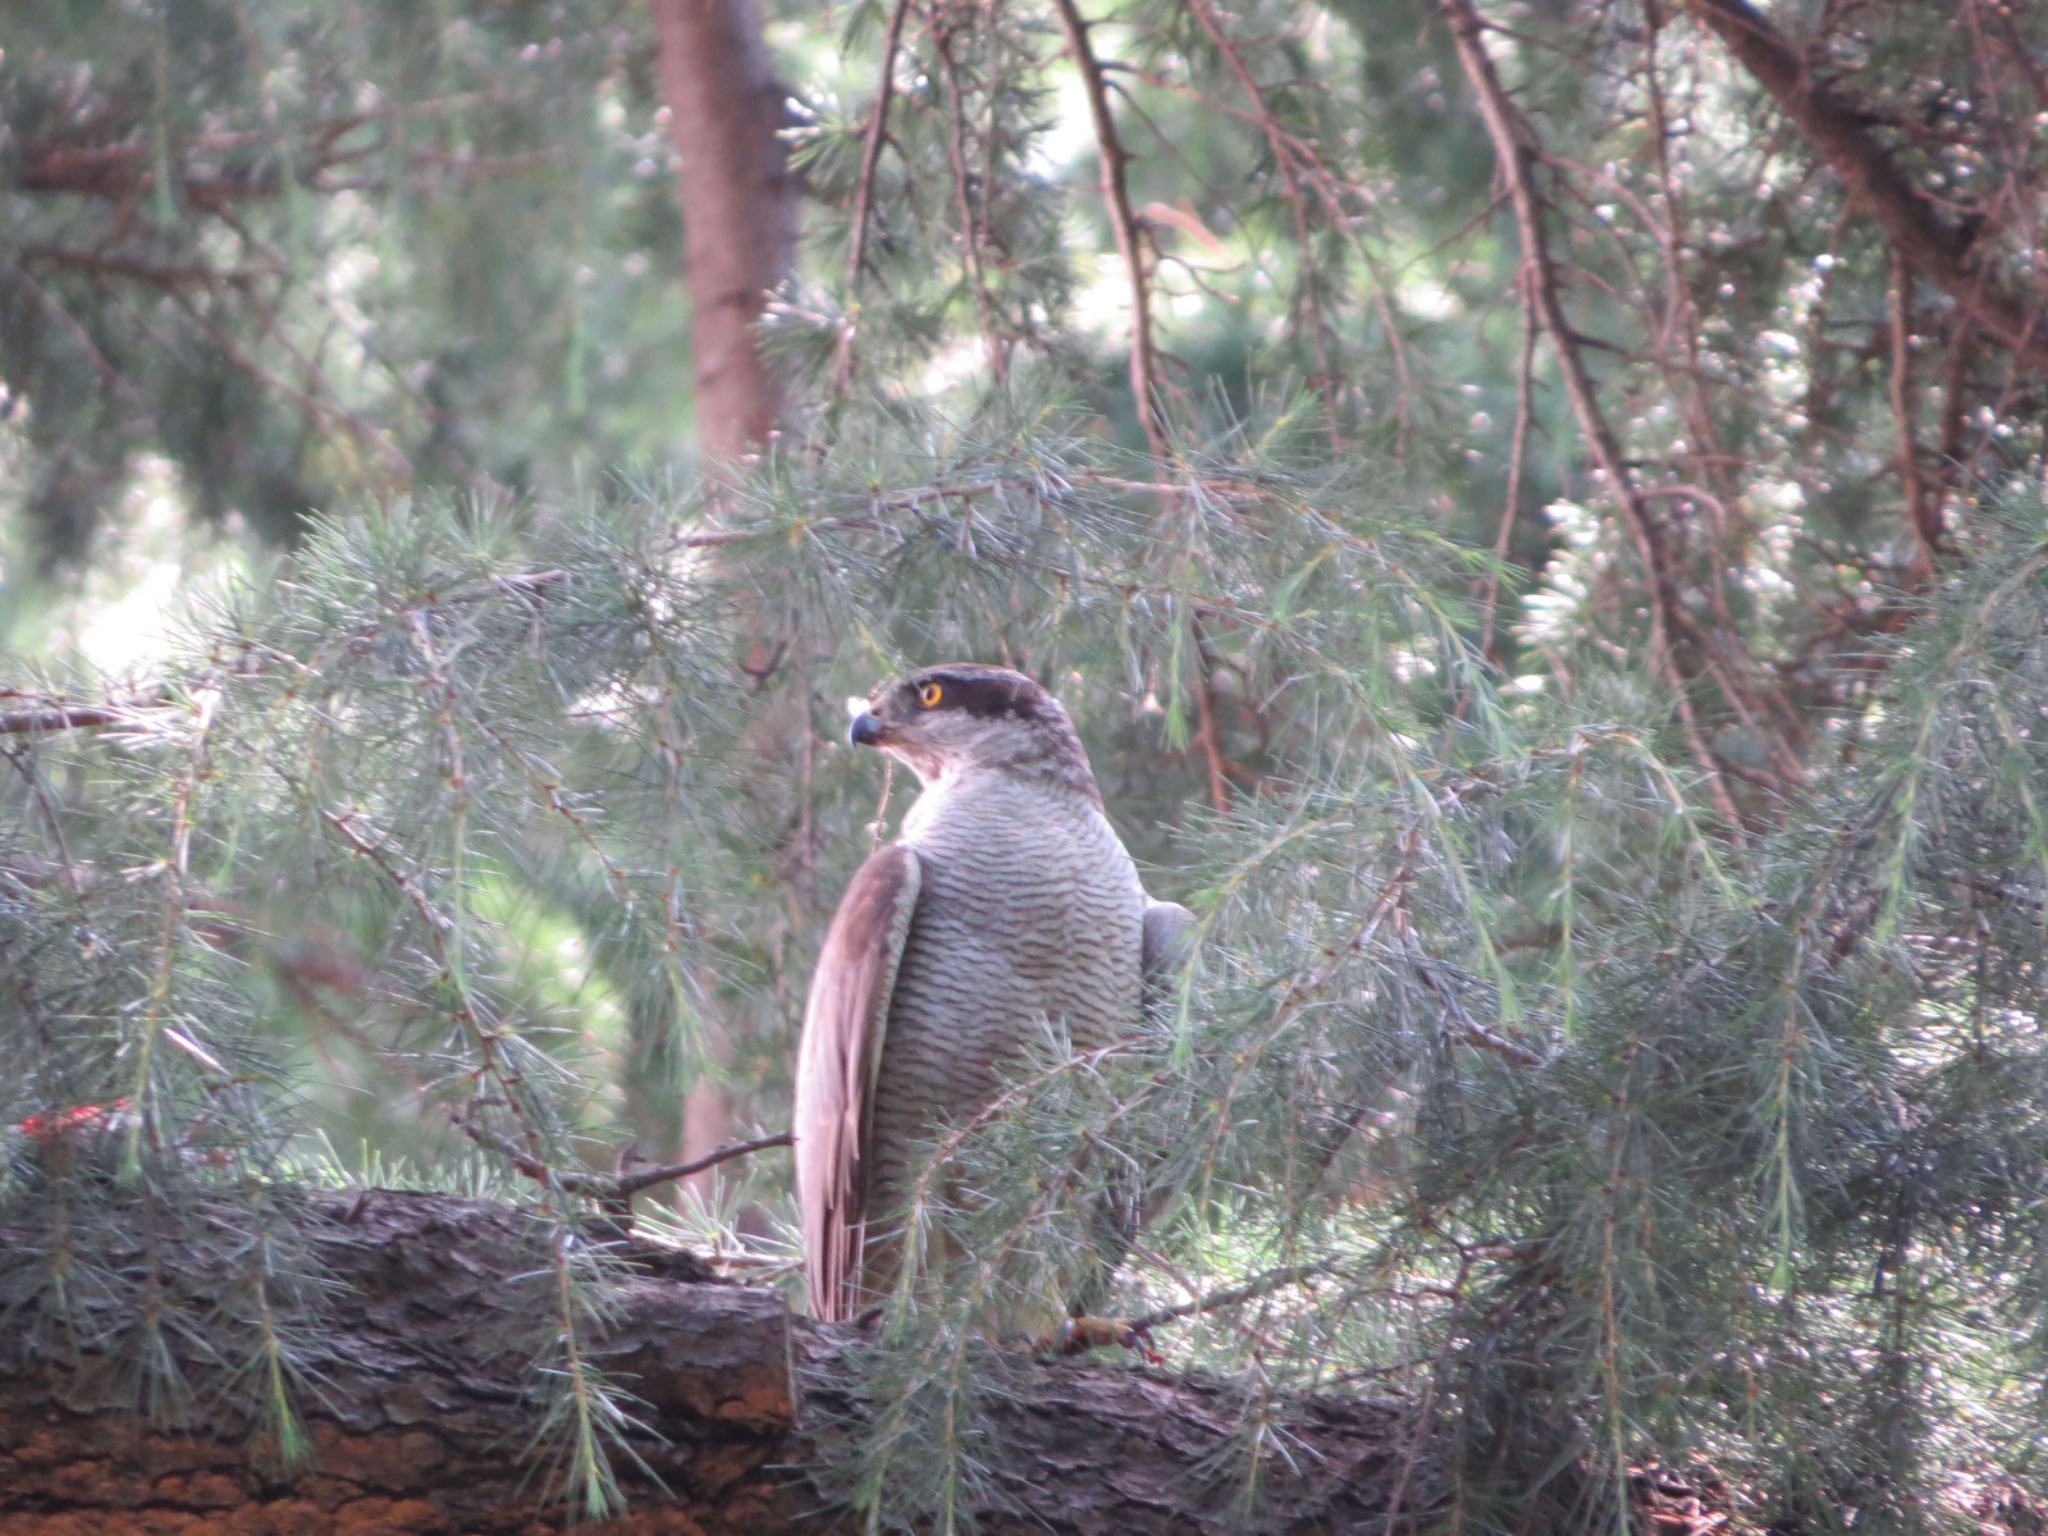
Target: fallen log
{"x":423,"y":1420}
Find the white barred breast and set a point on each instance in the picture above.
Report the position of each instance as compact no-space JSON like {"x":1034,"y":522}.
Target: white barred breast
{"x":1030,"y":911}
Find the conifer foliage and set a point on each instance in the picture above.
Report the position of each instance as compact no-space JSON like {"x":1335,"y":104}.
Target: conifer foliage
{"x":1535,"y":510}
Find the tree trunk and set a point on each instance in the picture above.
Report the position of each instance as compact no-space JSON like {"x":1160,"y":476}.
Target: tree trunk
{"x":726,"y":115}
{"x":739,"y":206}
{"x":424,"y":1415}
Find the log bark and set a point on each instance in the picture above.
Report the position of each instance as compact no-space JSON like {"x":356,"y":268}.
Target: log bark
{"x":424,"y":1418}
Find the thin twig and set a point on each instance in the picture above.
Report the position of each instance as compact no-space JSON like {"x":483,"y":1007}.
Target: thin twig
{"x":974,"y":231}
{"x":1470,"y":1029}
{"x":1284,"y":160}
{"x":1261,"y":1286}
{"x":1330,"y":190}
{"x":1231,"y":1296}
{"x":1514,"y":145}
{"x":864,"y":198}
{"x":1922,"y":515}
{"x":1518,"y":458}
{"x":632,"y":1184}
{"x":610,"y":1186}
{"x":1206,"y":729}
{"x":1116,"y":198}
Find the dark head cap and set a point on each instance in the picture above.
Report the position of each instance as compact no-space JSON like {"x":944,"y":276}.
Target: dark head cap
{"x":964,"y":714}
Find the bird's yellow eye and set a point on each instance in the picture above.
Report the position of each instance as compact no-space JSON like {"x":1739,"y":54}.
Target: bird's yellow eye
{"x":930,"y":694}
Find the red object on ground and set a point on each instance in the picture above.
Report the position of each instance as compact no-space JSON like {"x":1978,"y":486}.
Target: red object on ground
{"x":78,"y":1120}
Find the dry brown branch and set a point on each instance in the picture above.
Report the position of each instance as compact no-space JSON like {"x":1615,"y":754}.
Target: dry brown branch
{"x":1116,"y":197}
{"x":1955,"y":379}
{"x":1518,"y":458}
{"x":1515,"y":150}
{"x":61,"y":717}
{"x":646,"y":1178}
{"x":125,"y":171}
{"x":1835,"y":127}
{"x":156,"y":274}
{"x":1206,"y":730}
{"x":609,"y":1187}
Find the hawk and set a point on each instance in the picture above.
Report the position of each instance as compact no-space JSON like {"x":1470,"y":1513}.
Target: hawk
{"x":1008,"y":901}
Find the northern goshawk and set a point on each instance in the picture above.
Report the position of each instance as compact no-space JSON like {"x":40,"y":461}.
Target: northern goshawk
{"x":1007,"y":903}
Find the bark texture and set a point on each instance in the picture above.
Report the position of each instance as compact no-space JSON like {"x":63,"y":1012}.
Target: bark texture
{"x":726,"y":114}
{"x":424,"y":1416}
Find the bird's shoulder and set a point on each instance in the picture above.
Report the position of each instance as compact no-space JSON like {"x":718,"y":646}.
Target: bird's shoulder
{"x":877,"y":905}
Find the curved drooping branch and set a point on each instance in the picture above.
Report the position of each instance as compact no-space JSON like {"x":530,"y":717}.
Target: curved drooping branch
{"x":1834,"y":126}
{"x":1515,"y":150}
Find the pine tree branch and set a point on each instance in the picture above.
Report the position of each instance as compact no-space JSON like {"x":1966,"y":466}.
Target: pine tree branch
{"x":1923,"y":512}
{"x":1834,"y":126}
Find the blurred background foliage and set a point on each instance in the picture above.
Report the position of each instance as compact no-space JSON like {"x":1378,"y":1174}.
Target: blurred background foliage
{"x":1534,"y":507}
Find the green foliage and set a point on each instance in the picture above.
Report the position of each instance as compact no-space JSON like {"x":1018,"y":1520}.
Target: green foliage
{"x":305,"y":252}
{"x":1785,"y":1095}
{"x":1614,"y":1047}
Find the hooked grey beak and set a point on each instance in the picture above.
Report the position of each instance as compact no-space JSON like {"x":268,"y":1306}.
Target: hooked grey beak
{"x":866,"y":731}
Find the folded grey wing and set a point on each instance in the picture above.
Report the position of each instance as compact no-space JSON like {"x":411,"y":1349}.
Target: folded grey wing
{"x":1164,"y":956}
{"x":845,"y":1022}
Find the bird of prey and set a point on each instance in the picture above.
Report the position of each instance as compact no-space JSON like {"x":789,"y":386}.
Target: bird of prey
{"x":1009,"y":901}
